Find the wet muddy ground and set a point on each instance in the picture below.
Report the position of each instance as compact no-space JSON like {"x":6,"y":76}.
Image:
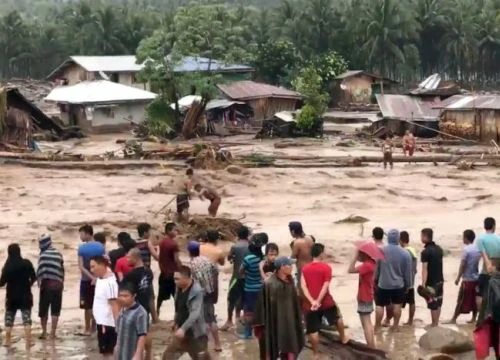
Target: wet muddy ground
{"x":410,"y":197}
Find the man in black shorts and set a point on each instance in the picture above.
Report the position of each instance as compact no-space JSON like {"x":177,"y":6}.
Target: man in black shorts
{"x":432,"y":274}
{"x":183,"y":196}
{"x":392,"y":278}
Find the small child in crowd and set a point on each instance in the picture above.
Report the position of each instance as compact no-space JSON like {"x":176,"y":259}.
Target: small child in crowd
{"x":267,"y":265}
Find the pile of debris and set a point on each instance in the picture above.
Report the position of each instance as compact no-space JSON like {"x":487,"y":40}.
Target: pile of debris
{"x":35,"y":91}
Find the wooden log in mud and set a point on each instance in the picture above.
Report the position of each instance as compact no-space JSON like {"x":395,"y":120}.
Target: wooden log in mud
{"x":96,"y":165}
{"x":331,"y":346}
{"x":439,"y":158}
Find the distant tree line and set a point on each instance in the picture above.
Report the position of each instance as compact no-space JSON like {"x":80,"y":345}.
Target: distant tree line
{"x":403,"y":39}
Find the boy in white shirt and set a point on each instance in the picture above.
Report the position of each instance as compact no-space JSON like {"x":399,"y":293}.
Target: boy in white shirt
{"x":106,"y":307}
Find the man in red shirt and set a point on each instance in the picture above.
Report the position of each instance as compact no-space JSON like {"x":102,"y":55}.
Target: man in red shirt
{"x":318,"y":302}
{"x":169,"y":263}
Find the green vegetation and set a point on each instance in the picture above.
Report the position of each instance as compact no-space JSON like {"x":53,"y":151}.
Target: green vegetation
{"x":402,"y":39}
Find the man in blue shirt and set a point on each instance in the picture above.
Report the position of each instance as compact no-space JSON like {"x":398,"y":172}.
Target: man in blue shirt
{"x":488,"y":245}
{"x":86,"y":251}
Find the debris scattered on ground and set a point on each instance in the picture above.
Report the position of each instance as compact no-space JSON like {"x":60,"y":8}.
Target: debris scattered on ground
{"x":291,"y":143}
{"x":198,"y":224}
{"x":353,"y":219}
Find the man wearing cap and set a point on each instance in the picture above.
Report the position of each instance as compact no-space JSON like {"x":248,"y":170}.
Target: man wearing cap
{"x":50,"y":277}
{"x":278,"y":320}
{"x":393,"y":279}
{"x":206,"y":273}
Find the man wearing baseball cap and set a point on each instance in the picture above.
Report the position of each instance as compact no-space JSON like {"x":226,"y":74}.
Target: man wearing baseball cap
{"x":278,"y":321}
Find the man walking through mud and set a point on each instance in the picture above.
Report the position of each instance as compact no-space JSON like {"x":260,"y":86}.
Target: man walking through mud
{"x":212,"y":196}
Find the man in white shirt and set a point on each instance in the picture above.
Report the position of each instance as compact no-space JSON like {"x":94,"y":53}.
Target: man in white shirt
{"x":106,"y":307}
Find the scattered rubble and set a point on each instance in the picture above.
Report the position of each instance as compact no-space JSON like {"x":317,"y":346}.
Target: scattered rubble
{"x":446,"y":341}
{"x":353,"y":219}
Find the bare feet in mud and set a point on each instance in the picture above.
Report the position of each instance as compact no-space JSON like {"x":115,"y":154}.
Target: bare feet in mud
{"x":226,"y":327}
{"x":408,"y":323}
{"x":394,"y":329}
{"x":346,"y":339}
{"x":450,"y":322}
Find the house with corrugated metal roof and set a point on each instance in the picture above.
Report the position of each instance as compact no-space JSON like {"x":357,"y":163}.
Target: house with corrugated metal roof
{"x":101,"y":105}
{"x":265,"y":100}
{"x":474,"y":117}
{"x":123,"y":69}
{"x":357,"y":87}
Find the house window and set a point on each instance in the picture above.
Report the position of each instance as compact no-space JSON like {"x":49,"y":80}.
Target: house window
{"x":108,"y":112}
{"x":114,"y":77}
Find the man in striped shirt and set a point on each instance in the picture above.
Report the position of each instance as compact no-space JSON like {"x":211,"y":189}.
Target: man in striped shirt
{"x":50,"y":277}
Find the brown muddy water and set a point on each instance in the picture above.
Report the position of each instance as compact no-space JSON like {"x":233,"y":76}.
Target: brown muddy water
{"x":411,"y":197}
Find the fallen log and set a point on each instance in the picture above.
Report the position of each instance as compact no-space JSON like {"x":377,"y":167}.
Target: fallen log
{"x":42,"y":156}
{"x":331,"y":345}
{"x":96,"y":165}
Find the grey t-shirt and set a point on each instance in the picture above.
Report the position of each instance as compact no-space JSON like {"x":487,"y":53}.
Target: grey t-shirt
{"x":236,"y":255}
{"x":132,"y":323}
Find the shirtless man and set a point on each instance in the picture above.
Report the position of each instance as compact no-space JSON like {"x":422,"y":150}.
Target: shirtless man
{"x":211,"y":195}
{"x":183,"y":196}
{"x":387,"y":147}
{"x":408,"y":143}
{"x":301,"y":246}
{"x":210,"y":250}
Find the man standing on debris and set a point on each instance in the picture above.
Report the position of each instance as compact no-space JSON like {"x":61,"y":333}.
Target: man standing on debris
{"x":408,"y":143}
{"x":183,"y":196}
{"x":237,"y":283}
{"x":169,"y":264}
{"x":86,"y":251}
{"x":387,"y":148}
{"x":211,"y":195}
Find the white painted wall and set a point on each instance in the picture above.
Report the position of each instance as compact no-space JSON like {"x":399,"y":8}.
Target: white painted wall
{"x":120,"y":114}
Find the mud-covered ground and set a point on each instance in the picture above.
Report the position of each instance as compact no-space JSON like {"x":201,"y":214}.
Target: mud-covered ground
{"x":410,"y":197}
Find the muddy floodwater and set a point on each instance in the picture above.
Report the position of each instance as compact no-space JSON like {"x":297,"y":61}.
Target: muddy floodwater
{"x":410,"y":197}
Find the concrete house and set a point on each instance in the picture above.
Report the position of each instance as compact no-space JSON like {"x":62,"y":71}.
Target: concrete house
{"x":123,"y":69}
{"x":119,"y":69}
{"x":100,"y":105}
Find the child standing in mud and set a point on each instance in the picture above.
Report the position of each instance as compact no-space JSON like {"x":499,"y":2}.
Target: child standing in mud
{"x":387,"y":148}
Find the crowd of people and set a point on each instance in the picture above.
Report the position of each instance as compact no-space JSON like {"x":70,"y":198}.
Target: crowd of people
{"x":280,"y":300}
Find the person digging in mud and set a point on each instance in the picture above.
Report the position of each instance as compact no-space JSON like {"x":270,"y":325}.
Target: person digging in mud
{"x":19,"y":275}
{"x":212,"y":196}
{"x":183,"y":196}
{"x":408,"y":144}
{"x":318,"y":303}
{"x":387,"y":148}
{"x":278,"y":319}
{"x":301,"y":246}
{"x":50,"y":277}
{"x":468,"y":272}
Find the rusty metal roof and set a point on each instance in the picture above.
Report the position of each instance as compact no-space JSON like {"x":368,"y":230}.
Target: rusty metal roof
{"x":249,"y":90}
{"x":404,"y":107}
{"x":469,"y":102}
{"x":351,"y":73}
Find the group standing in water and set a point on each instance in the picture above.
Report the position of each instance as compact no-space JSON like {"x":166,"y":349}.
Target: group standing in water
{"x":279,"y":300}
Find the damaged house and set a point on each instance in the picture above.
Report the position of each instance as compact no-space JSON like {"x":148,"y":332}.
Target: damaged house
{"x":357,"y":87}
{"x":265,"y":100}
{"x":474,"y":117}
{"x":101,"y":105}
{"x":20,"y":119}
